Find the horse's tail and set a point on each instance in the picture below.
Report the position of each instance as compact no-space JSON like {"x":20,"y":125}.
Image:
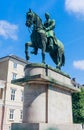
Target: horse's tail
{"x":63,"y":59}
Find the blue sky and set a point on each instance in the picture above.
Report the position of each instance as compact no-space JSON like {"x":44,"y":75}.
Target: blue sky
{"x":69,"y":16}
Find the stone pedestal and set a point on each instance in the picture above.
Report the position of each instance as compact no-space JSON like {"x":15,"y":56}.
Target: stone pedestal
{"x":47,"y":99}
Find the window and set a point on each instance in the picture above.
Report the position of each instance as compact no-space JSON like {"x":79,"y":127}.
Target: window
{"x":11,"y":114}
{"x":22,"y":96}
{"x":14,"y":76}
{"x":1,"y":93}
{"x":14,"y":65}
{"x":21,"y":114}
{"x":13,"y":94}
{"x":9,"y":127}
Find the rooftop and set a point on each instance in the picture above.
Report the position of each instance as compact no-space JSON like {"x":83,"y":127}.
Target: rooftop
{"x":13,"y":57}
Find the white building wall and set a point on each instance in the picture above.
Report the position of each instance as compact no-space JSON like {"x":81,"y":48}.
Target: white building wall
{"x":17,"y":104}
{"x":19,"y":70}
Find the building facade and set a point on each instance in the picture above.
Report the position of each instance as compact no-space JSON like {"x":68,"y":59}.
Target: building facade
{"x":2,"y":90}
{"x":11,"y":67}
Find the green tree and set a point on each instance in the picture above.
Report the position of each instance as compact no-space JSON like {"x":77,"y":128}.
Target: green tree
{"x":78,"y":106}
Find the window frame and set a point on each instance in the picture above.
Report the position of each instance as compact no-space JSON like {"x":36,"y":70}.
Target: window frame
{"x":11,"y":114}
{"x":21,"y":114}
{"x":22,"y":95}
{"x":12,"y":96}
{"x":9,"y":127}
{"x":14,"y":65}
{"x":14,"y":75}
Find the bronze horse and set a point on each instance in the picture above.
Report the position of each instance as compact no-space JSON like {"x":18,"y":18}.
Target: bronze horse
{"x":39,"y":40}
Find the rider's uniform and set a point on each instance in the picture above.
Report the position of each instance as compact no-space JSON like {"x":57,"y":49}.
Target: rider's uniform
{"x":49,"y":25}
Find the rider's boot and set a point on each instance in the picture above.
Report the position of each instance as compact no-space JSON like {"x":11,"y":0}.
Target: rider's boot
{"x":51,"y":46}
{"x":51,"y":43}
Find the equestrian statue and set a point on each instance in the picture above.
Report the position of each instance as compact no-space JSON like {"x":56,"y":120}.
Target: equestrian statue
{"x":43,"y":37}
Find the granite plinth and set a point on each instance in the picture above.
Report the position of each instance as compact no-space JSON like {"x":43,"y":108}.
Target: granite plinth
{"x":46,"y":104}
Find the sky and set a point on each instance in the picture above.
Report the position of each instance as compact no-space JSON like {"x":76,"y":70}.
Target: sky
{"x":69,"y":17}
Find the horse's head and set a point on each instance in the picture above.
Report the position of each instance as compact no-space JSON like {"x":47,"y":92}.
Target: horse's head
{"x":33,"y":19}
{"x":29,"y":18}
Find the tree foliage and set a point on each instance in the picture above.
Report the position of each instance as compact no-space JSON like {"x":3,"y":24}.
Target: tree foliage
{"x":78,"y":106}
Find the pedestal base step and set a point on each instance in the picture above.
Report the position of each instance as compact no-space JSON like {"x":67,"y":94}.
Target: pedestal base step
{"x":45,"y":126}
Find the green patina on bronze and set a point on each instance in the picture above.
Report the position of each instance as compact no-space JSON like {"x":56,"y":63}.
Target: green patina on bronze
{"x":43,"y":37}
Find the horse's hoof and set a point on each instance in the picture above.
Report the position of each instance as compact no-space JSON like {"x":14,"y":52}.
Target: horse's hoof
{"x":27,"y":58}
{"x":34,"y":52}
{"x":43,"y":62}
{"x":58,"y":67}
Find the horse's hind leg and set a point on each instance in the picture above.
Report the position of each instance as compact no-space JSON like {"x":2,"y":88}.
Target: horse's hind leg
{"x":59,"y":64}
{"x":59,"y":59}
{"x":43,"y":55}
{"x":43,"y":51}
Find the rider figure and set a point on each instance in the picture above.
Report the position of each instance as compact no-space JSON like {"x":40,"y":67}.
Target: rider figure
{"x":49,"y":25}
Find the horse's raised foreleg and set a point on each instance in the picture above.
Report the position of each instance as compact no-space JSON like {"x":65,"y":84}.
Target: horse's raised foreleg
{"x":26,"y":49}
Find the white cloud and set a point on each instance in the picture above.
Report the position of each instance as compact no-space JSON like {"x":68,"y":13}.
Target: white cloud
{"x":75,"y":6}
{"x":79,"y":64}
{"x":8,"y":30}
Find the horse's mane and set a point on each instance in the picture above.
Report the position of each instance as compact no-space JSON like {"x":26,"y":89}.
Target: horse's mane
{"x":37,"y":16}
